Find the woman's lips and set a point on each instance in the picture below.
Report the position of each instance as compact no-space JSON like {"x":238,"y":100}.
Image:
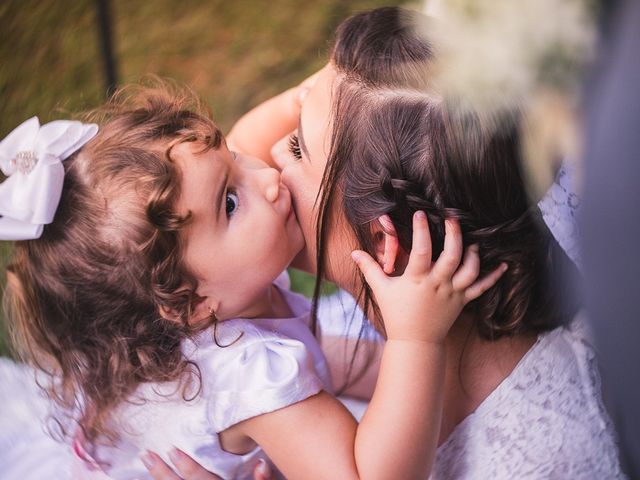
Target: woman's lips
{"x":288,"y":204}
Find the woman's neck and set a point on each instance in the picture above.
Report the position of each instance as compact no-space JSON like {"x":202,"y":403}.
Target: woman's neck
{"x":474,"y":369}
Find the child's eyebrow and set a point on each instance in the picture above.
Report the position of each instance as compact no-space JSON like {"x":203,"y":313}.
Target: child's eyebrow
{"x":220,"y":191}
{"x":303,"y":145}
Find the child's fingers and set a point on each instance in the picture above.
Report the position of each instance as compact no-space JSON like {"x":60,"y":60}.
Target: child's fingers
{"x":469,"y":270}
{"x":451,"y":255}
{"x":484,"y":284}
{"x":158,"y":469}
{"x":420,"y":256}
{"x":372,"y":272}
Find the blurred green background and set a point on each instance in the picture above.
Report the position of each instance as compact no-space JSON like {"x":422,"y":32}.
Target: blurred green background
{"x":234,"y":53}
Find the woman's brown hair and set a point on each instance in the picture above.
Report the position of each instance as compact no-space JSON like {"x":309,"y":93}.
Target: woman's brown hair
{"x":398,"y":147}
{"x":84,"y":301}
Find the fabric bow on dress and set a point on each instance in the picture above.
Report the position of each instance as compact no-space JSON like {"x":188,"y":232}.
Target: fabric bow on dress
{"x":31,"y":157}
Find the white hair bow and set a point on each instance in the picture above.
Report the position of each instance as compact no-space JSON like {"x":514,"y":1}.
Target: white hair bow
{"x":31,"y":157}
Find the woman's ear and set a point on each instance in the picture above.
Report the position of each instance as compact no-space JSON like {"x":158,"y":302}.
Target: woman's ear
{"x":386,"y":243}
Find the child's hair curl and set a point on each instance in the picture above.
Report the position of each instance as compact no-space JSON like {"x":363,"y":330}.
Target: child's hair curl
{"x":102,"y":300}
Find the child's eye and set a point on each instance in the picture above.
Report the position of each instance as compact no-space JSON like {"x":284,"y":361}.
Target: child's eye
{"x":294,"y":147}
{"x":231,"y":203}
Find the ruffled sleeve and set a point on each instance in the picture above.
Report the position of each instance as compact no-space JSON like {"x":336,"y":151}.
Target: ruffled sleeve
{"x":261,"y":371}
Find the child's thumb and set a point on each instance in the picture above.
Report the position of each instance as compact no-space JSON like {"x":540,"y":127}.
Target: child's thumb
{"x":373,"y":274}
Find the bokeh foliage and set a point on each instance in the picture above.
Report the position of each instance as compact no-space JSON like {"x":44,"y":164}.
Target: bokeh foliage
{"x":233,"y":53}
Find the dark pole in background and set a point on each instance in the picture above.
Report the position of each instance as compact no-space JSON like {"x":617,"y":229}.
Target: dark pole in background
{"x":104,"y":25}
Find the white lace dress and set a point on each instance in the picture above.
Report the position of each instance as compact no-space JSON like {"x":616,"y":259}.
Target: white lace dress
{"x":560,"y":208}
{"x":546,"y":420}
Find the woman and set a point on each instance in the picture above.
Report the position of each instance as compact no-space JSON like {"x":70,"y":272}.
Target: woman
{"x":522,"y":392}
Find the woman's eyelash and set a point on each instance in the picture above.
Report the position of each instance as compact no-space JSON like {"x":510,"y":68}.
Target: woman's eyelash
{"x":294,"y":147}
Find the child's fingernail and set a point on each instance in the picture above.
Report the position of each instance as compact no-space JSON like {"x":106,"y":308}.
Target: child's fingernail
{"x":148,"y":460}
{"x":176,"y":455}
{"x":504,"y":267}
{"x":356,"y":255}
{"x":263,"y":468}
{"x":420,"y":215}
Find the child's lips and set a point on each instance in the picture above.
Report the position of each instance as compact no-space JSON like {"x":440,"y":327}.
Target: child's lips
{"x":292,"y":213}
{"x":288,"y":208}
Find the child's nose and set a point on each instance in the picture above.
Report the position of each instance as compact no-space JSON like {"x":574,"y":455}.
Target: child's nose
{"x":270,"y":179}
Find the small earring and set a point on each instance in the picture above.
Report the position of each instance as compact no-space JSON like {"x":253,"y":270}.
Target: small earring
{"x":212,"y":314}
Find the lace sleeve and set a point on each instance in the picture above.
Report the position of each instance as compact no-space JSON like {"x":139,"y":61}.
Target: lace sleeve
{"x":560,"y":207}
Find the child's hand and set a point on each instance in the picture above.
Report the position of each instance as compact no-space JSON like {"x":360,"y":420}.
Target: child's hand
{"x":423,"y":303}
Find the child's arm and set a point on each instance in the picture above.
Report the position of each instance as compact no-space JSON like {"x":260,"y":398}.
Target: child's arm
{"x":318,"y":438}
{"x":397,"y":438}
{"x":260,"y":128}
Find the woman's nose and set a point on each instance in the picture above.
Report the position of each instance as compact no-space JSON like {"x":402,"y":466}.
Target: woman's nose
{"x":280,"y":153}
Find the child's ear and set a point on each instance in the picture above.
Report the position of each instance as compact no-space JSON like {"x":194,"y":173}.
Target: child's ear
{"x":205,"y":309}
{"x":386,"y":243}
{"x":200,"y":312}
{"x":168,"y":313}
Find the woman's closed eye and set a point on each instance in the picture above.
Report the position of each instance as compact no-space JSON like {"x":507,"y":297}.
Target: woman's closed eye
{"x":294,"y":147}
{"x":231,"y":203}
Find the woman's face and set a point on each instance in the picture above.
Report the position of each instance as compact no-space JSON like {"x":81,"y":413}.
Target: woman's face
{"x":303,"y":158}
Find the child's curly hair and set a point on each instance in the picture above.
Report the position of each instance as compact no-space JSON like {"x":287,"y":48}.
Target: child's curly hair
{"x":85,"y":301}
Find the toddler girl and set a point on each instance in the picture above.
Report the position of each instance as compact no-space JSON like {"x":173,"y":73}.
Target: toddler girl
{"x":145,"y":283}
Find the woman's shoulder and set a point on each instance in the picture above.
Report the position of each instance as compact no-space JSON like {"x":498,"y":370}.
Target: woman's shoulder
{"x":561,"y":365}
{"x":546,"y":419}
